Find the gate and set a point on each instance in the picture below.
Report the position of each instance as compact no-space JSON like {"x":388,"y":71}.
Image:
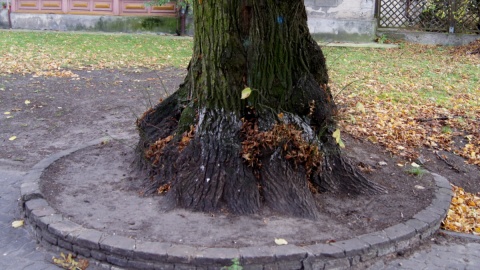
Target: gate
{"x":452,"y":16}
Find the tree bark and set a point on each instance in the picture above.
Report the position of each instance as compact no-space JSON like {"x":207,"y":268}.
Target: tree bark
{"x":210,"y":150}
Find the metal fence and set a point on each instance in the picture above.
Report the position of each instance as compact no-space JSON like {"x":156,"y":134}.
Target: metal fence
{"x":453,"y":16}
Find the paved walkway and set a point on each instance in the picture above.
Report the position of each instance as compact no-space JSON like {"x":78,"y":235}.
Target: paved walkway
{"x":19,"y":250}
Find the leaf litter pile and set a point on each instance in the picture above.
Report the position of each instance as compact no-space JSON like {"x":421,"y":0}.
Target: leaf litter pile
{"x":403,"y":99}
{"x":416,"y":97}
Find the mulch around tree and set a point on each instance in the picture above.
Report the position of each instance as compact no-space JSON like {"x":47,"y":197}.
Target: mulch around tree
{"x":50,"y":114}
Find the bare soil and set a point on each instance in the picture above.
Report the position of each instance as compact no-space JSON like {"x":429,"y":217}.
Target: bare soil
{"x":100,"y":187}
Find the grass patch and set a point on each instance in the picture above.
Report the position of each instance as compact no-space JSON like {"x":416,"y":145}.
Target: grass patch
{"x":30,"y":52}
{"x":416,"y":171}
{"x":414,"y":96}
{"x":409,"y":94}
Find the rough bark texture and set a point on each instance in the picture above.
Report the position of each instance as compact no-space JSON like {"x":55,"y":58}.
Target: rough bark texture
{"x":196,"y":143}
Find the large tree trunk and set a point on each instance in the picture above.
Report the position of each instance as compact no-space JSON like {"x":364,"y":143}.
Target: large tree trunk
{"x":210,"y":150}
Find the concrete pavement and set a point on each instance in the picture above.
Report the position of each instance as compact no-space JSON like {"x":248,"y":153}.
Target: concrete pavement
{"x":18,"y":249}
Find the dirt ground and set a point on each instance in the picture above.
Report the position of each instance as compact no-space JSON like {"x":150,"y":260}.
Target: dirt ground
{"x":49,"y":114}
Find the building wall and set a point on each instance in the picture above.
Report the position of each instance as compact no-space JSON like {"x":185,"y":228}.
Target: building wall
{"x":342,"y":20}
{"x":328,"y":20}
{"x":92,"y":7}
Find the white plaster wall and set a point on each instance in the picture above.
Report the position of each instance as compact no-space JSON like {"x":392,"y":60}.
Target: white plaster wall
{"x":341,"y":9}
{"x":342,"y":20}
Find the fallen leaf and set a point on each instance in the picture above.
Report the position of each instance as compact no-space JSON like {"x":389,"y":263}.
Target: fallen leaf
{"x":18,"y":223}
{"x":415,"y":165}
{"x":12,"y":138}
{"x":338,"y":139}
{"x":360,"y":107}
{"x":246,"y":92}
{"x":280,"y":241}
{"x":6,"y":113}
{"x":27,"y":102}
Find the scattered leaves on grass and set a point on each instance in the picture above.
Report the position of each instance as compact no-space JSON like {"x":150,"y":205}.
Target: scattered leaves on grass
{"x":55,"y":54}
{"x":18,"y":223}
{"x":464,"y":213}
{"x":409,"y":99}
{"x":68,"y":262}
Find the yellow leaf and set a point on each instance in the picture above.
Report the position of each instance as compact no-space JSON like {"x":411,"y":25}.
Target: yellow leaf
{"x":12,"y":138}
{"x":373,"y":139}
{"x":280,"y":241}
{"x":338,"y":139}
{"x":360,"y":107}
{"x":17,"y":223}
{"x":246,"y":92}
{"x":6,"y":113}
{"x":27,"y":102}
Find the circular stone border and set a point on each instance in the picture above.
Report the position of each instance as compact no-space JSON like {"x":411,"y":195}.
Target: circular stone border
{"x":52,"y":228}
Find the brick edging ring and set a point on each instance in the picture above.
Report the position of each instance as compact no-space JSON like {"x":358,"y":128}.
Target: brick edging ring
{"x":52,"y":228}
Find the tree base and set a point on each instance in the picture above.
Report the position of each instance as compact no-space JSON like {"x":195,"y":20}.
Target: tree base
{"x":207,"y":168}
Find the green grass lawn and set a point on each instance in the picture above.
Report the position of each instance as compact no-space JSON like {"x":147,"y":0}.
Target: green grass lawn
{"x":30,"y":52}
{"x":382,"y":93}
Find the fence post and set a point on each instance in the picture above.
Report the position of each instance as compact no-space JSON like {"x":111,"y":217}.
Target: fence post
{"x":451,"y":18}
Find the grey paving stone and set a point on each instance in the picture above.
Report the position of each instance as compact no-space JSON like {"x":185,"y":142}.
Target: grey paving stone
{"x":151,"y":251}
{"x":325,"y":251}
{"x":212,"y":256}
{"x":119,"y":245}
{"x":427,"y":216}
{"x":44,"y":222}
{"x":399,"y":232}
{"x":142,"y":265}
{"x":50,"y":238}
{"x":64,"y":228}
{"x":81,"y":250}
{"x":379,"y":242}
{"x":64,"y":244}
{"x":418,"y":225}
{"x":256,"y":255}
{"x":253,"y":267}
{"x":98,"y":255}
{"x":441,"y":181}
{"x":180,"y":254}
{"x":353,"y":246}
{"x":118,"y":261}
{"x":88,"y":238}
{"x":31,"y":190}
{"x":343,"y":263}
{"x":36,"y":204}
{"x":185,"y":267}
{"x":289,"y":252}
